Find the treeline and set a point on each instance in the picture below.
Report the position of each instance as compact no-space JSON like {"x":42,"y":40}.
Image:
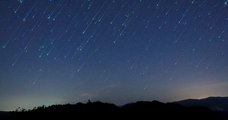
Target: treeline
{"x":105,"y":111}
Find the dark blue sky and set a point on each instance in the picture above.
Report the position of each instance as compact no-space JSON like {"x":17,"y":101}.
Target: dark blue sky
{"x":60,"y":51}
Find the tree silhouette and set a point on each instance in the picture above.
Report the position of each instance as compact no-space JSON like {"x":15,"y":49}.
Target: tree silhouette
{"x":107,"y":111}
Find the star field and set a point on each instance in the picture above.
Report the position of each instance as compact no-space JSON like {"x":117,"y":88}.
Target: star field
{"x":67,"y":51}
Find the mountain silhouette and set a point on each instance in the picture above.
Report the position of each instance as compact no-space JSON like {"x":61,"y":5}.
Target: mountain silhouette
{"x":214,"y":103}
{"x":141,"y":110}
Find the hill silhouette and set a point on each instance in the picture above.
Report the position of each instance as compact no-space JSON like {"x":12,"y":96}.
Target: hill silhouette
{"x":214,"y":103}
{"x":105,"y":111}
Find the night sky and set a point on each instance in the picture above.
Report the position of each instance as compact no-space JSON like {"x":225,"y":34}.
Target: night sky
{"x":118,"y":51}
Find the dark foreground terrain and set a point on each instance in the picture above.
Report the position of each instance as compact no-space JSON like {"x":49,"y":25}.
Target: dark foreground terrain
{"x":105,"y":111}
